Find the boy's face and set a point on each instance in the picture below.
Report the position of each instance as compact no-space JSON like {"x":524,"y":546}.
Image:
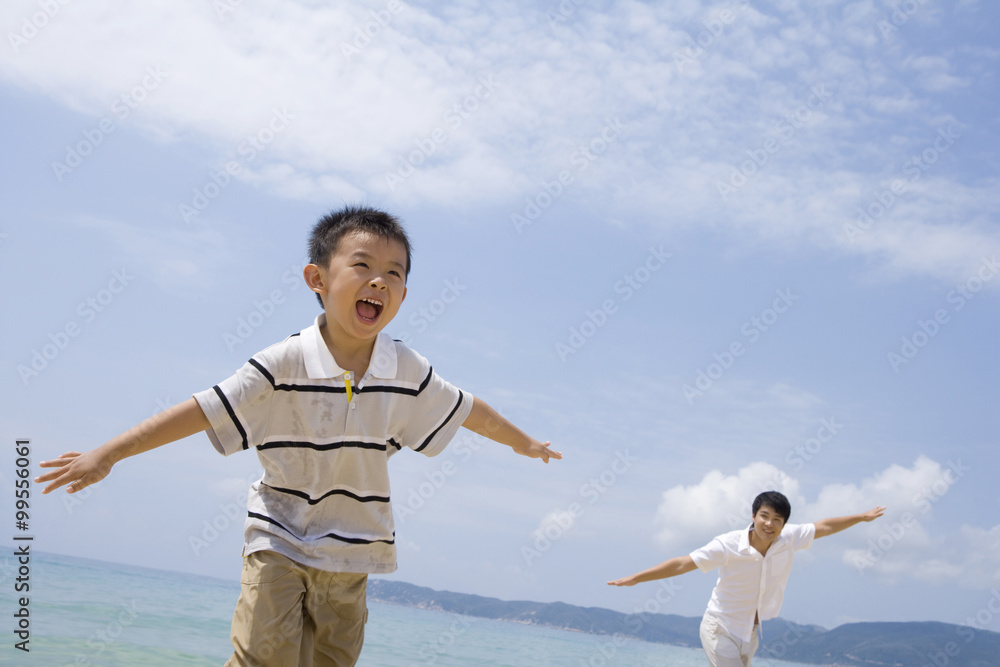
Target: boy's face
{"x":767,"y":523}
{"x":363,"y":285}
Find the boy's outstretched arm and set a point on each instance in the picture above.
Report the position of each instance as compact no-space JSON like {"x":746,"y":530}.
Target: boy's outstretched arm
{"x":487,"y":422}
{"x":826,"y":527}
{"x":668,"y":568}
{"x":81,"y":470}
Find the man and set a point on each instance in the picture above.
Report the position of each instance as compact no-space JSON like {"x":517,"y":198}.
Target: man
{"x":754,"y":565}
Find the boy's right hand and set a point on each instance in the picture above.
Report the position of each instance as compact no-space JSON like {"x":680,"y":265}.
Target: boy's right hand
{"x":536,"y":450}
{"x":81,"y":470}
{"x":75,"y":469}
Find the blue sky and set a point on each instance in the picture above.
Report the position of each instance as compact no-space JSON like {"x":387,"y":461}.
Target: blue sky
{"x":705,"y":249}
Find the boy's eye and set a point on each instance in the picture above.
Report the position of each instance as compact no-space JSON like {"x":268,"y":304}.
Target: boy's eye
{"x":361,"y":264}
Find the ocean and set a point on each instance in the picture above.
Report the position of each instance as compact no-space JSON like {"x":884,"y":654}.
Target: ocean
{"x":97,"y":614}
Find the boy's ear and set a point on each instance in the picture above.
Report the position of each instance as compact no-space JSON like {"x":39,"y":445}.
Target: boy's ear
{"x":315,"y":278}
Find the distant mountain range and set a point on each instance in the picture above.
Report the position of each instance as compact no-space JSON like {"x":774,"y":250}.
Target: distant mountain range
{"x":861,"y":644}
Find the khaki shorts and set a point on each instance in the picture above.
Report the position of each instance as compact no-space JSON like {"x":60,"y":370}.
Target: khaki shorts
{"x":292,"y":615}
{"x":724,"y":650}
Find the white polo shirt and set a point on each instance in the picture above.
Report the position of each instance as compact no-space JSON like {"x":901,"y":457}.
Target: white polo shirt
{"x":749,"y":583}
{"x":323,"y":500}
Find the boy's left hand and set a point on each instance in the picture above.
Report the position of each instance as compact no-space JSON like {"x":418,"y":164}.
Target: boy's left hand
{"x":537,"y":450}
{"x":489,"y":423}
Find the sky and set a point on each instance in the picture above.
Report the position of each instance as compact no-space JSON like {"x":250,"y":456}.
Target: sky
{"x":705,"y":249}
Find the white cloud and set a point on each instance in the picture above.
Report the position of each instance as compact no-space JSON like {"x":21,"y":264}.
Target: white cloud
{"x":178,"y":258}
{"x":231,"y":488}
{"x":555,"y":525}
{"x":935,"y":73}
{"x":719,"y":503}
{"x":903,"y":550}
{"x":899,"y":488}
{"x":977,"y":553}
{"x":414,"y":97}
{"x":407,"y":546}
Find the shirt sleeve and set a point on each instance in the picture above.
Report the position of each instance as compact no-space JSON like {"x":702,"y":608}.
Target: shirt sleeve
{"x":438,"y":411}
{"x":802,"y":536}
{"x":710,"y":556}
{"x":239,"y":407}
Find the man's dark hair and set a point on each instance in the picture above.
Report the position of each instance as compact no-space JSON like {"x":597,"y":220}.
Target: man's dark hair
{"x":776,"y":501}
{"x":331,"y":228}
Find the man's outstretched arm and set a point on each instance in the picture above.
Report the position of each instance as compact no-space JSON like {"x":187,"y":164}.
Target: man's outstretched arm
{"x":668,"y":568}
{"x":826,"y":527}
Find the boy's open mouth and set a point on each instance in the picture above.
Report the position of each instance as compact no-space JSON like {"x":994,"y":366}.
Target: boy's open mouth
{"x":369,"y":309}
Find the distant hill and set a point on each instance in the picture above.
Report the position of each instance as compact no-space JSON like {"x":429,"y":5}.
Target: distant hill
{"x":861,"y":644}
{"x":919,"y":644}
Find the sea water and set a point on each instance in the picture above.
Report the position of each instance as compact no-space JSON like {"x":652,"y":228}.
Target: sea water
{"x":98,"y":614}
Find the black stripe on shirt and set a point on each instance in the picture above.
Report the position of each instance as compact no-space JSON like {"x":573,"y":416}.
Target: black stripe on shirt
{"x":263,"y":371}
{"x":294,"y":387}
{"x":389,"y":389}
{"x":341,"y":538}
{"x":232,"y":415}
{"x":340,"y":389}
{"x":336,"y":492}
{"x":427,"y":380}
{"x":320,"y":388}
{"x":461,"y":397}
{"x":380,"y":446}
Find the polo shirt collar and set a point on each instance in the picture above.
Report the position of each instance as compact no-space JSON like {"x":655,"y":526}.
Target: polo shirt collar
{"x":320,"y":363}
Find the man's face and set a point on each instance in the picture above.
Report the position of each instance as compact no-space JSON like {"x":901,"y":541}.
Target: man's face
{"x":767,"y":523}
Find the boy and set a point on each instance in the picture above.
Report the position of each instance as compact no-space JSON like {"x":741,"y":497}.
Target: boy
{"x":324,"y":409}
{"x":754,"y":565}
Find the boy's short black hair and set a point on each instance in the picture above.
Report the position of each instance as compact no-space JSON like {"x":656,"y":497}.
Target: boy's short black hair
{"x":331,"y":228}
{"x":776,"y":501}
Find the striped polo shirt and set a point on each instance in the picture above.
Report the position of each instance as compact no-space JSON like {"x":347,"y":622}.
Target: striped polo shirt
{"x":323,"y":500}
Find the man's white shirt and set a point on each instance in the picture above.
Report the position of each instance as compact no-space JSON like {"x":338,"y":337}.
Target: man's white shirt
{"x":750,"y":584}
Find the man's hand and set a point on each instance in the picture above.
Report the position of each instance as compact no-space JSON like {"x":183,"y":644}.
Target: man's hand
{"x":873,"y":513}
{"x":668,"y":568}
{"x":624,"y":581}
{"x":826,"y":527}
